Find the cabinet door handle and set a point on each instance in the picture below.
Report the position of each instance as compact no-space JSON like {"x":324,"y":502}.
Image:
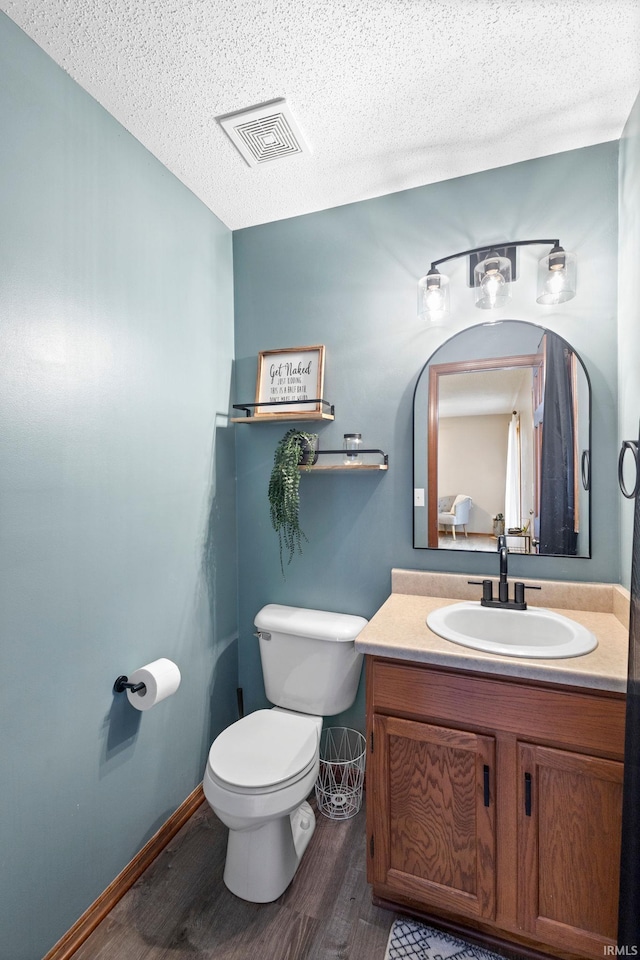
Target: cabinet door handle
{"x":527,"y":794}
{"x":487,"y":792}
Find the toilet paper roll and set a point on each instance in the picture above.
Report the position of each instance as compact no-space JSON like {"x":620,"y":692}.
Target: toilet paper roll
{"x":161,"y":678}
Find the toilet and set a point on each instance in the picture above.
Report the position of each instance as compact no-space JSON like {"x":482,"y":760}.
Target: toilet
{"x":261,"y":769}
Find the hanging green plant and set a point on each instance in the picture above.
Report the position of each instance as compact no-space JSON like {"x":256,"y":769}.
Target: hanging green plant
{"x":295,"y":448}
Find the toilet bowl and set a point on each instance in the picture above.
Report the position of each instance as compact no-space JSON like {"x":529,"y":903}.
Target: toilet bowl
{"x":261,"y":769}
{"x":259,"y":772}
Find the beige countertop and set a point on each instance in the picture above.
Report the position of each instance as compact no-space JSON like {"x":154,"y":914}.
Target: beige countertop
{"x":399,"y":630}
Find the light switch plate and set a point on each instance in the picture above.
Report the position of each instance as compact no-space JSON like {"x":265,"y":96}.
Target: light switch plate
{"x":418,"y":496}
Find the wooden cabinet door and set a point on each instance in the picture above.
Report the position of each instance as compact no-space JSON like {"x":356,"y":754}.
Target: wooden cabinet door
{"x":434,"y":825}
{"x":569,"y":833}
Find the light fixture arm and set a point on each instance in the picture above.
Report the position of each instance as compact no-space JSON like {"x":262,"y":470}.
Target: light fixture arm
{"x":482,"y":249}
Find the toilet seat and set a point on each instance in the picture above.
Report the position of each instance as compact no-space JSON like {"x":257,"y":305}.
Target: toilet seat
{"x":264,"y":751}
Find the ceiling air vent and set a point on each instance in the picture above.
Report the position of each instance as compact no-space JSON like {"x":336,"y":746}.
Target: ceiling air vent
{"x":264,"y":133}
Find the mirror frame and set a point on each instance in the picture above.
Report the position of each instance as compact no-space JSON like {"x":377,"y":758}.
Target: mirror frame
{"x":480,"y":365}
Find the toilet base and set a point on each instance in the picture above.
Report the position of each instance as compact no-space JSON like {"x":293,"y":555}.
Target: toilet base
{"x":261,"y":863}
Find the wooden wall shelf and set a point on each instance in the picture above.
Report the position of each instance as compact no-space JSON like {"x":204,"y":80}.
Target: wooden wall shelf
{"x":282,"y":416}
{"x":340,"y":465}
{"x":337,"y":467}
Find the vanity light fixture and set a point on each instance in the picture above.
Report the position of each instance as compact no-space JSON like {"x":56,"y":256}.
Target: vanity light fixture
{"x":557,"y":276}
{"x":492,"y":281}
{"x":492,"y":270}
{"x":433,"y":296}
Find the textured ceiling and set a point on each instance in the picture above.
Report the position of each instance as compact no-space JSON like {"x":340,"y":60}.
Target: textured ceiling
{"x":389,"y":94}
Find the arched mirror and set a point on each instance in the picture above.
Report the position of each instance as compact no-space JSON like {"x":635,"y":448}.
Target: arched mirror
{"x":502,"y":443}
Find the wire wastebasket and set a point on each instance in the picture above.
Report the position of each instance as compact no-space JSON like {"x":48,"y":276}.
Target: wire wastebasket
{"x":341,"y":776}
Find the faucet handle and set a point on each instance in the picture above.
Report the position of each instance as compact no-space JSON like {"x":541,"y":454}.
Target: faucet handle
{"x":519,"y":589}
{"x":487,"y":587}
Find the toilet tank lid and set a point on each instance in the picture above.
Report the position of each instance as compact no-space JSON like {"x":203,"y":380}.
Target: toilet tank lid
{"x":302,"y":622}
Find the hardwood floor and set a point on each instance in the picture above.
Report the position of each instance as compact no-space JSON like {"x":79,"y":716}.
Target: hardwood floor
{"x":180,"y":907}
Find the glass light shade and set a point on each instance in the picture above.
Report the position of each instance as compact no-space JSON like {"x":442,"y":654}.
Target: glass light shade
{"x":433,"y":297}
{"x":557,"y":277}
{"x":492,"y":282}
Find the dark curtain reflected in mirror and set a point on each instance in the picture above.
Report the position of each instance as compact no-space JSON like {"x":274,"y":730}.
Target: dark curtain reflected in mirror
{"x":558,"y":521}
{"x":502,"y":443}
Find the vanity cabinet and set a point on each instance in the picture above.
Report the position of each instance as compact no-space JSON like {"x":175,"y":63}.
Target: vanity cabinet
{"x":496,"y":804}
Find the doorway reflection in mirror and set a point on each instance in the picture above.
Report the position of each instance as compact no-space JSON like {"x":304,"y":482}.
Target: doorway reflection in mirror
{"x":501,"y":420}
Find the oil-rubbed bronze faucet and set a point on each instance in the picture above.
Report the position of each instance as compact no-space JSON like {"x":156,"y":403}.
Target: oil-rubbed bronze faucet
{"x":503,"y":586}
{"x":503,"y":602}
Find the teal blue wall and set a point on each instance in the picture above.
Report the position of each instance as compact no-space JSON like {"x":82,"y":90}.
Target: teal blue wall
{"x":629,"y":316}
{"x":117,"y":471}
{"x":346,"y":278}
{"x":117,"y":494}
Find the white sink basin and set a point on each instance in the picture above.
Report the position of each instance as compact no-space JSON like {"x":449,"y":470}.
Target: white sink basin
{"x":534,"y":632}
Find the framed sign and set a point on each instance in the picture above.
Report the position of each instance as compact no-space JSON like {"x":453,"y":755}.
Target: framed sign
{"x":293,"y":377}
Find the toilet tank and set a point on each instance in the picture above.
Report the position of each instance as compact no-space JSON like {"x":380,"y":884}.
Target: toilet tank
{"x":309,"y":661}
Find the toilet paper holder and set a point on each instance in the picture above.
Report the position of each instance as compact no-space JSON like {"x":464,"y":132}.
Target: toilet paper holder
{"x":122,"y":684}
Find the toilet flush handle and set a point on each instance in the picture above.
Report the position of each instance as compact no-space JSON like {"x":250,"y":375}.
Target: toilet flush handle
{"x":262,"y":635}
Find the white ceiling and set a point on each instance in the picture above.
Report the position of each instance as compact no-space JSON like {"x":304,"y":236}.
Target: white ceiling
{"x":390,"y":94}
{"x":482,"y":393}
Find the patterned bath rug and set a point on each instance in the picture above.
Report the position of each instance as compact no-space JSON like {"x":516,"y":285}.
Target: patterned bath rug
{"x":409,"y":940}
